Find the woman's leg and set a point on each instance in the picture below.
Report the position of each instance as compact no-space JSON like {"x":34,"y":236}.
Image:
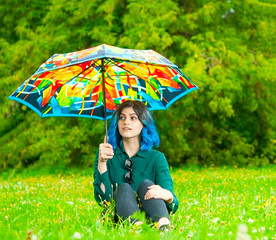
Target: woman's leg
{"x":154,"y":208}
{"x":126,"y":203}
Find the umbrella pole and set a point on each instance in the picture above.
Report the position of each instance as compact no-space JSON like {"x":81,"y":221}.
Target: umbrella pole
{"x":104,"y":99}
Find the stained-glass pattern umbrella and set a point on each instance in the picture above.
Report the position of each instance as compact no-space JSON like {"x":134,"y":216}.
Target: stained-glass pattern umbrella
{"x":90,"y":83}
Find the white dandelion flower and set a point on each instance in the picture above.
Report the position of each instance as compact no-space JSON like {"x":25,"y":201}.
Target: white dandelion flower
{"x":77,"y":235}
{"x":242,"y":228}
{"x":242,"y":233}
{"x":250,"y":220}
{"x":34,"y":237}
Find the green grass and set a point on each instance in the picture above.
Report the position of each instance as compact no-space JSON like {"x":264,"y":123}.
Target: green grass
{"x":213,"y":203}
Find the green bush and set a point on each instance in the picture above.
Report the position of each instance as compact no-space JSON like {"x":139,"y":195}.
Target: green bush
{"x":225,"y":47}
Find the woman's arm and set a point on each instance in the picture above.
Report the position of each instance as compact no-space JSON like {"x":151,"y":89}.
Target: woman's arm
{"x":102,"y":183}
{"x":155,"y":191}
{"x":105,"y":152}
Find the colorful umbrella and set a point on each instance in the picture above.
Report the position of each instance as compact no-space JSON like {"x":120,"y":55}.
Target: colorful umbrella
{"x":90,"y":83}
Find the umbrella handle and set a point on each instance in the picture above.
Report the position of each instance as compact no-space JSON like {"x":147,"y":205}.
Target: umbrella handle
{"x":104,"y":99}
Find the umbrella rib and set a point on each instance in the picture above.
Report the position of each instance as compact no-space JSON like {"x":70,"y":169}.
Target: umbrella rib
{"x":94,"y":65}
{"x":120,"y":66}
{"x":155,"y":90}
{"x":91,"y":64}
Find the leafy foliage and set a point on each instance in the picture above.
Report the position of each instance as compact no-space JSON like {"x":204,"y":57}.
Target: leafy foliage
{"x":226,"y":47}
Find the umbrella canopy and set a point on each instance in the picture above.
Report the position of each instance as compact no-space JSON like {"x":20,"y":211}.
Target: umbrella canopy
{"x":90,"y":83}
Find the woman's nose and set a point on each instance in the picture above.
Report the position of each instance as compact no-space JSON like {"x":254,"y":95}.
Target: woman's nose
{"x":126,"y":121}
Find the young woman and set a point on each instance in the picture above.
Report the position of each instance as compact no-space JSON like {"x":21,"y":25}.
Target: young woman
{"x":128,"y":170}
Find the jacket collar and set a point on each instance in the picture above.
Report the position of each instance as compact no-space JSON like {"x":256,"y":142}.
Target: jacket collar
{"x":120,"y":150}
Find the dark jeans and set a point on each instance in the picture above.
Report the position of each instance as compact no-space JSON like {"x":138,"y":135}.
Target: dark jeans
{"x":126,"y":203}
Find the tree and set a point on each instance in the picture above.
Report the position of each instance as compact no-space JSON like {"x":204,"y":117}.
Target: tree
{"x":225,"y":47}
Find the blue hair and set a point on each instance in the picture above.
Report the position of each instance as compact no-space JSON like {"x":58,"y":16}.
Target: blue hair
{"x":149,"y":135}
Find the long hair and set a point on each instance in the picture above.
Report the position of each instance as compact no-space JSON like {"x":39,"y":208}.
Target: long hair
{"x":149,"y":135}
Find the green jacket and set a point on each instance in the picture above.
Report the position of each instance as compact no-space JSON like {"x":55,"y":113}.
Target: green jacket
{"x":151,"y":165}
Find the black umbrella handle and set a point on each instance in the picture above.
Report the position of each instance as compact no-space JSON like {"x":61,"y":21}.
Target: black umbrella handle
{"x":104,"y":99}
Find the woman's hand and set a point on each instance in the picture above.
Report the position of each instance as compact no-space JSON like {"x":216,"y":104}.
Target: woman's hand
{"x":105,"y":152}
{"x":155,"y":191}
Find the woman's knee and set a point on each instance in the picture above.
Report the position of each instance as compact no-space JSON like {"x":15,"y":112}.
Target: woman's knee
{"x":122,"y":189}
{"x":143,"y":187}
{"x":146,"y":183}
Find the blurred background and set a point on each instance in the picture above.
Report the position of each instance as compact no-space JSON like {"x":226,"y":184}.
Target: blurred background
{"x":226,"y":47}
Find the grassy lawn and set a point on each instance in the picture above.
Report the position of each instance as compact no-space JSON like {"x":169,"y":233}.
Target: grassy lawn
{"x":215,"y":203}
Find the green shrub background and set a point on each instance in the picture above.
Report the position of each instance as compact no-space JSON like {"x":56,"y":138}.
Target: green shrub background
{"x":226,"y":47}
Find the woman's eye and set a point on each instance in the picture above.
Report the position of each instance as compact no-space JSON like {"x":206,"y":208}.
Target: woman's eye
{"x":121,"y":118}
{"x":133,"y":118}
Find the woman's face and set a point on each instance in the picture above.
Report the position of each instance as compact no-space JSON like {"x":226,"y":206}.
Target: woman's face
{"x":129,"y":125}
